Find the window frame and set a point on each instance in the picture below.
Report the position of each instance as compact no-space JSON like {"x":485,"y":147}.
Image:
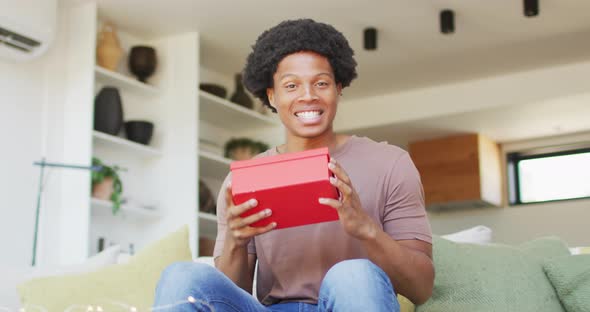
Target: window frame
{"x":512,"y":172}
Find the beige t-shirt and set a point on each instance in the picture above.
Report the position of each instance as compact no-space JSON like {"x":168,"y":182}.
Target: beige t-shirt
{"x":292,"y":262}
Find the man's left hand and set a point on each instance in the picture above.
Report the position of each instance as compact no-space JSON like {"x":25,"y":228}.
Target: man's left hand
{"x":352,"y":216}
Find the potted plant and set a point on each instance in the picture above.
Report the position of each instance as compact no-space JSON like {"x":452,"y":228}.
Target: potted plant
{"x":243,"y":148}
{"x":106,"y":183}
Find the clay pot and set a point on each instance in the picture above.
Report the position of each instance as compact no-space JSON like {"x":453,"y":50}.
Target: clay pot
{"x":104,"y":189}
{"x":108,"y":48}
{"x":142,"y":62}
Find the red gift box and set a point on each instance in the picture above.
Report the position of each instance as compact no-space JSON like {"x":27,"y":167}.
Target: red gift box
{"x":289,"y":184}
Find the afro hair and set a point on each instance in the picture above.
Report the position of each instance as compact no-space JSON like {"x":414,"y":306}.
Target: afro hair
{"x":294,"y":36}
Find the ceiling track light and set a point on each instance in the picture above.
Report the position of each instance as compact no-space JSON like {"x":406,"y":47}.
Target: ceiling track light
{"x":531,"y":8}
{"x":447,"y":22}
{"x":370,"y":39}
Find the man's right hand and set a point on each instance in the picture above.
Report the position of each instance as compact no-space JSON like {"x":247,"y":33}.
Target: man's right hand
{"x":238,"y":228}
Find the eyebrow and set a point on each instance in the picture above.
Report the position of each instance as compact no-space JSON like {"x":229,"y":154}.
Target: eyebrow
{"x":320,"y":74}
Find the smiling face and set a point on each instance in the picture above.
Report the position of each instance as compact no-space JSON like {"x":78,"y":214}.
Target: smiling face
{"x":305,"y":95}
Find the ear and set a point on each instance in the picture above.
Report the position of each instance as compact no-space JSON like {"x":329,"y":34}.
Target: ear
{"x":339,"y":89}
{"x":270,"y":94}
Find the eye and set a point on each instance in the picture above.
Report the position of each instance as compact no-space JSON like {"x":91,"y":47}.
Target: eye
{"x":290,"y":86}
{"x":323,"y":84}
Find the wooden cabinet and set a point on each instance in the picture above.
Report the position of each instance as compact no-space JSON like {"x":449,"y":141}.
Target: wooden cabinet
{"x":459,"y":171}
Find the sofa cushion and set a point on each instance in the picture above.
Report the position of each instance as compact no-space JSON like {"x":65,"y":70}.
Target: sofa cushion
{"x":493,"y":277}
{"x":132,"y":284}
{"x":570,"y":276}
{"x":98,"y":261}
{"x":13,"y":276}
{"x":479,"y":234}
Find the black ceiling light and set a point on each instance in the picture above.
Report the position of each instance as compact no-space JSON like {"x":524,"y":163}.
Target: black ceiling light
{"x":447,"y":21}
{"x":370,"y":38}
{"x":531,"y":8}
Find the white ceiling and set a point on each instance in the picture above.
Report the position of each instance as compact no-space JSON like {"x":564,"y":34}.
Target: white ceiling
{"x":491,"y":36}
{"x":504,"y":123}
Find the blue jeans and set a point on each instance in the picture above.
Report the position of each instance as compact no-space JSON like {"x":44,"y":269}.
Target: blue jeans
{"x":351,"y":285}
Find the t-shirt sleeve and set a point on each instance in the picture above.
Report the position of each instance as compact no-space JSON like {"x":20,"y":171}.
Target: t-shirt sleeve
{"x":221,"y":223}
{"x":404,"y":215}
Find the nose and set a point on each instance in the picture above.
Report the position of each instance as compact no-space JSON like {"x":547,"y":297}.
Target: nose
{"x":308,"y":94}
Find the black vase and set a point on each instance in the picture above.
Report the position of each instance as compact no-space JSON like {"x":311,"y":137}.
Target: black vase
{"x":206,"y":199}
{"x":240,"y":96}
{"x":142,"y":62}
{"x":108,"y":111}
{"x":139,"y":131}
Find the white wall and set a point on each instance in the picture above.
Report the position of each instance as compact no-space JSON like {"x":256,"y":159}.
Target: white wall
{"x":21,"y":102}
{"x":39,"y":119}
{"x":568,"y":220}
{"x":515,"y":224}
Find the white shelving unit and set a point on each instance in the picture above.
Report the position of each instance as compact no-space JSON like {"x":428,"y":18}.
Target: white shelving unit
{"x":163,"y":174}
{"x":213,"y":166}
{"x":121,"y":81}
{"x":124,"y":144}
{"x":231,"y":116}
{"x":221,"y":120}
{"x":104,"y":208}
{"x":208,"y":225}
{"x":169,"y":100}
{"x":208,"y":216}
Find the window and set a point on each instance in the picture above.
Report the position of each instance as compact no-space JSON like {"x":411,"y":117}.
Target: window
{"x":548,"y":175}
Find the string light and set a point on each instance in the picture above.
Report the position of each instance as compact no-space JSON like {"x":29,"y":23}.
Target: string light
{"x":89,"y":308}
{"x":30,"y":308}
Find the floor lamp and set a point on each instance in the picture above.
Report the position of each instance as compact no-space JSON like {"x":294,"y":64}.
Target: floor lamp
{"x":42,"y":164}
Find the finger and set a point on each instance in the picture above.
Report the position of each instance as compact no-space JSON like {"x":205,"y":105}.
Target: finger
{"x":338,"y":171}
{"x":239,"y":234}
{"x":344,"y":189}
{"x":237,"y":223}
{"x":236,"y":211}
{"x":228,"y":196}
{"x":267,"y":228}
{"x":249,"y":232}
{"x":336,"y":204}
{"x":256,"y":217}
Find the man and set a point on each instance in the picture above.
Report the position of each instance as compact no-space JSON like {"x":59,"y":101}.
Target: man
{"x":381,"y":244}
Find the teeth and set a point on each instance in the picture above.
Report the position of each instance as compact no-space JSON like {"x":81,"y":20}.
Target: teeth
{"x":308,"y":114}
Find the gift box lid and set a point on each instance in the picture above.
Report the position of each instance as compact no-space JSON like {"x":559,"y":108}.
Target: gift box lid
{"x":280,"y":170}
{"x":278,"y":158}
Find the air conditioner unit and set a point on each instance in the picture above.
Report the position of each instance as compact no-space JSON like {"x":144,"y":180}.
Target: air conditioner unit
{"x":27,"y":28}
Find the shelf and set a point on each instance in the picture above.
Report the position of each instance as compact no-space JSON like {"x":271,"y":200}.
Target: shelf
{"x":115,"y":141}
{"x":207,"y":225}
{"x":213,"y":166}
{"x":208,"y":216}
{"x":231,"y":116}
{"x":104,"y":207}
{"x":121,"y":81}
